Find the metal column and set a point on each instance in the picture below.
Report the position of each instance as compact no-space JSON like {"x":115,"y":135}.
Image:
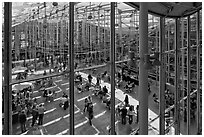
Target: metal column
{"x":120,"y":33}
{"x":198,"y":72}
{"x":143,"y":73}
{"x":7,"y":69}
{"x":112,"y":59}
{"x":71,"y":67}
{"x":168,"y":54}
{"x":162,"y":78}
{"x":183,"y":59}
{"x":99,"y":49}
{"x":177,"y":77}
{"x":188,"y":75}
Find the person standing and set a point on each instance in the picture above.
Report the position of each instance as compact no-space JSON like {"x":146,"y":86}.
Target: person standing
{"x":90,"y":111}
{"x":90,"y":78}
{"x":22,"y":120}
{"x":105,"y":90}
{"x":124,"y":114}
{"x":126,"y":100}
{"x":35,"y":115}
{"x":41,"y":111}
{"x":98,"y":80}
{"x":130,"y":114}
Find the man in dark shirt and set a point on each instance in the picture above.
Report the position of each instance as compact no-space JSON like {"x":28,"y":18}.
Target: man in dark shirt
{"x":98,"y":80}
{"x":124,"y":114}
{"x":66,"y":104}
{"x":105,"y":90}
{"x":22,"y":120}
{"x":90,"y":78}
{"x":34,"y":114}
{"x":90,"y":111}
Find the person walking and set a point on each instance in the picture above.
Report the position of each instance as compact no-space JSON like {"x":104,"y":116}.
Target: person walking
{"x":85,"y":104}
{"x":34,"y":114}
{"x":22,"y":120}
{"x":89,"y":99}
{"x":41,"y":111}
{"x":66,"y":104}
{"x":90,"y":111}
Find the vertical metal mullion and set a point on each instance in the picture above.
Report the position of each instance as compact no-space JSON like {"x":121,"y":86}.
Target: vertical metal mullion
{"x":143,"y":73}
{"x":162,"y":78}
{"x":7,"y":130}
{"x":198,"y":72}
{"x":104,"y":35}
{"x":188,"y":75}
{"x":120,"y":33}
{"x":168,"y":55}
{"x":71,"y":67}
{"x":99,"y":37}
{"x":183,"y":59}
{"x":112,"y":59}
{"x":177,"y":78}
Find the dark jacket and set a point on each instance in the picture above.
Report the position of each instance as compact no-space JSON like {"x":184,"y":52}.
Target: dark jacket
{"x":22,"y":118}
{"x":124,"y":111}
{"x":34,"y":113}
{"x":66,"y":104}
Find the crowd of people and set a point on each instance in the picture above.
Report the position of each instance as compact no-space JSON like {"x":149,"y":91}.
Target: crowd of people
{"x":124,"y":111}
{"x":23,"y":105}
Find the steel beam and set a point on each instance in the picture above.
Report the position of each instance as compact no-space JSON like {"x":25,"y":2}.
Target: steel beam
{"x":162,"y":78}
{"x":143,"y":73}
{"x":112,"y":59}
{"x":7,"y":127}
{"x":71,"y":67}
